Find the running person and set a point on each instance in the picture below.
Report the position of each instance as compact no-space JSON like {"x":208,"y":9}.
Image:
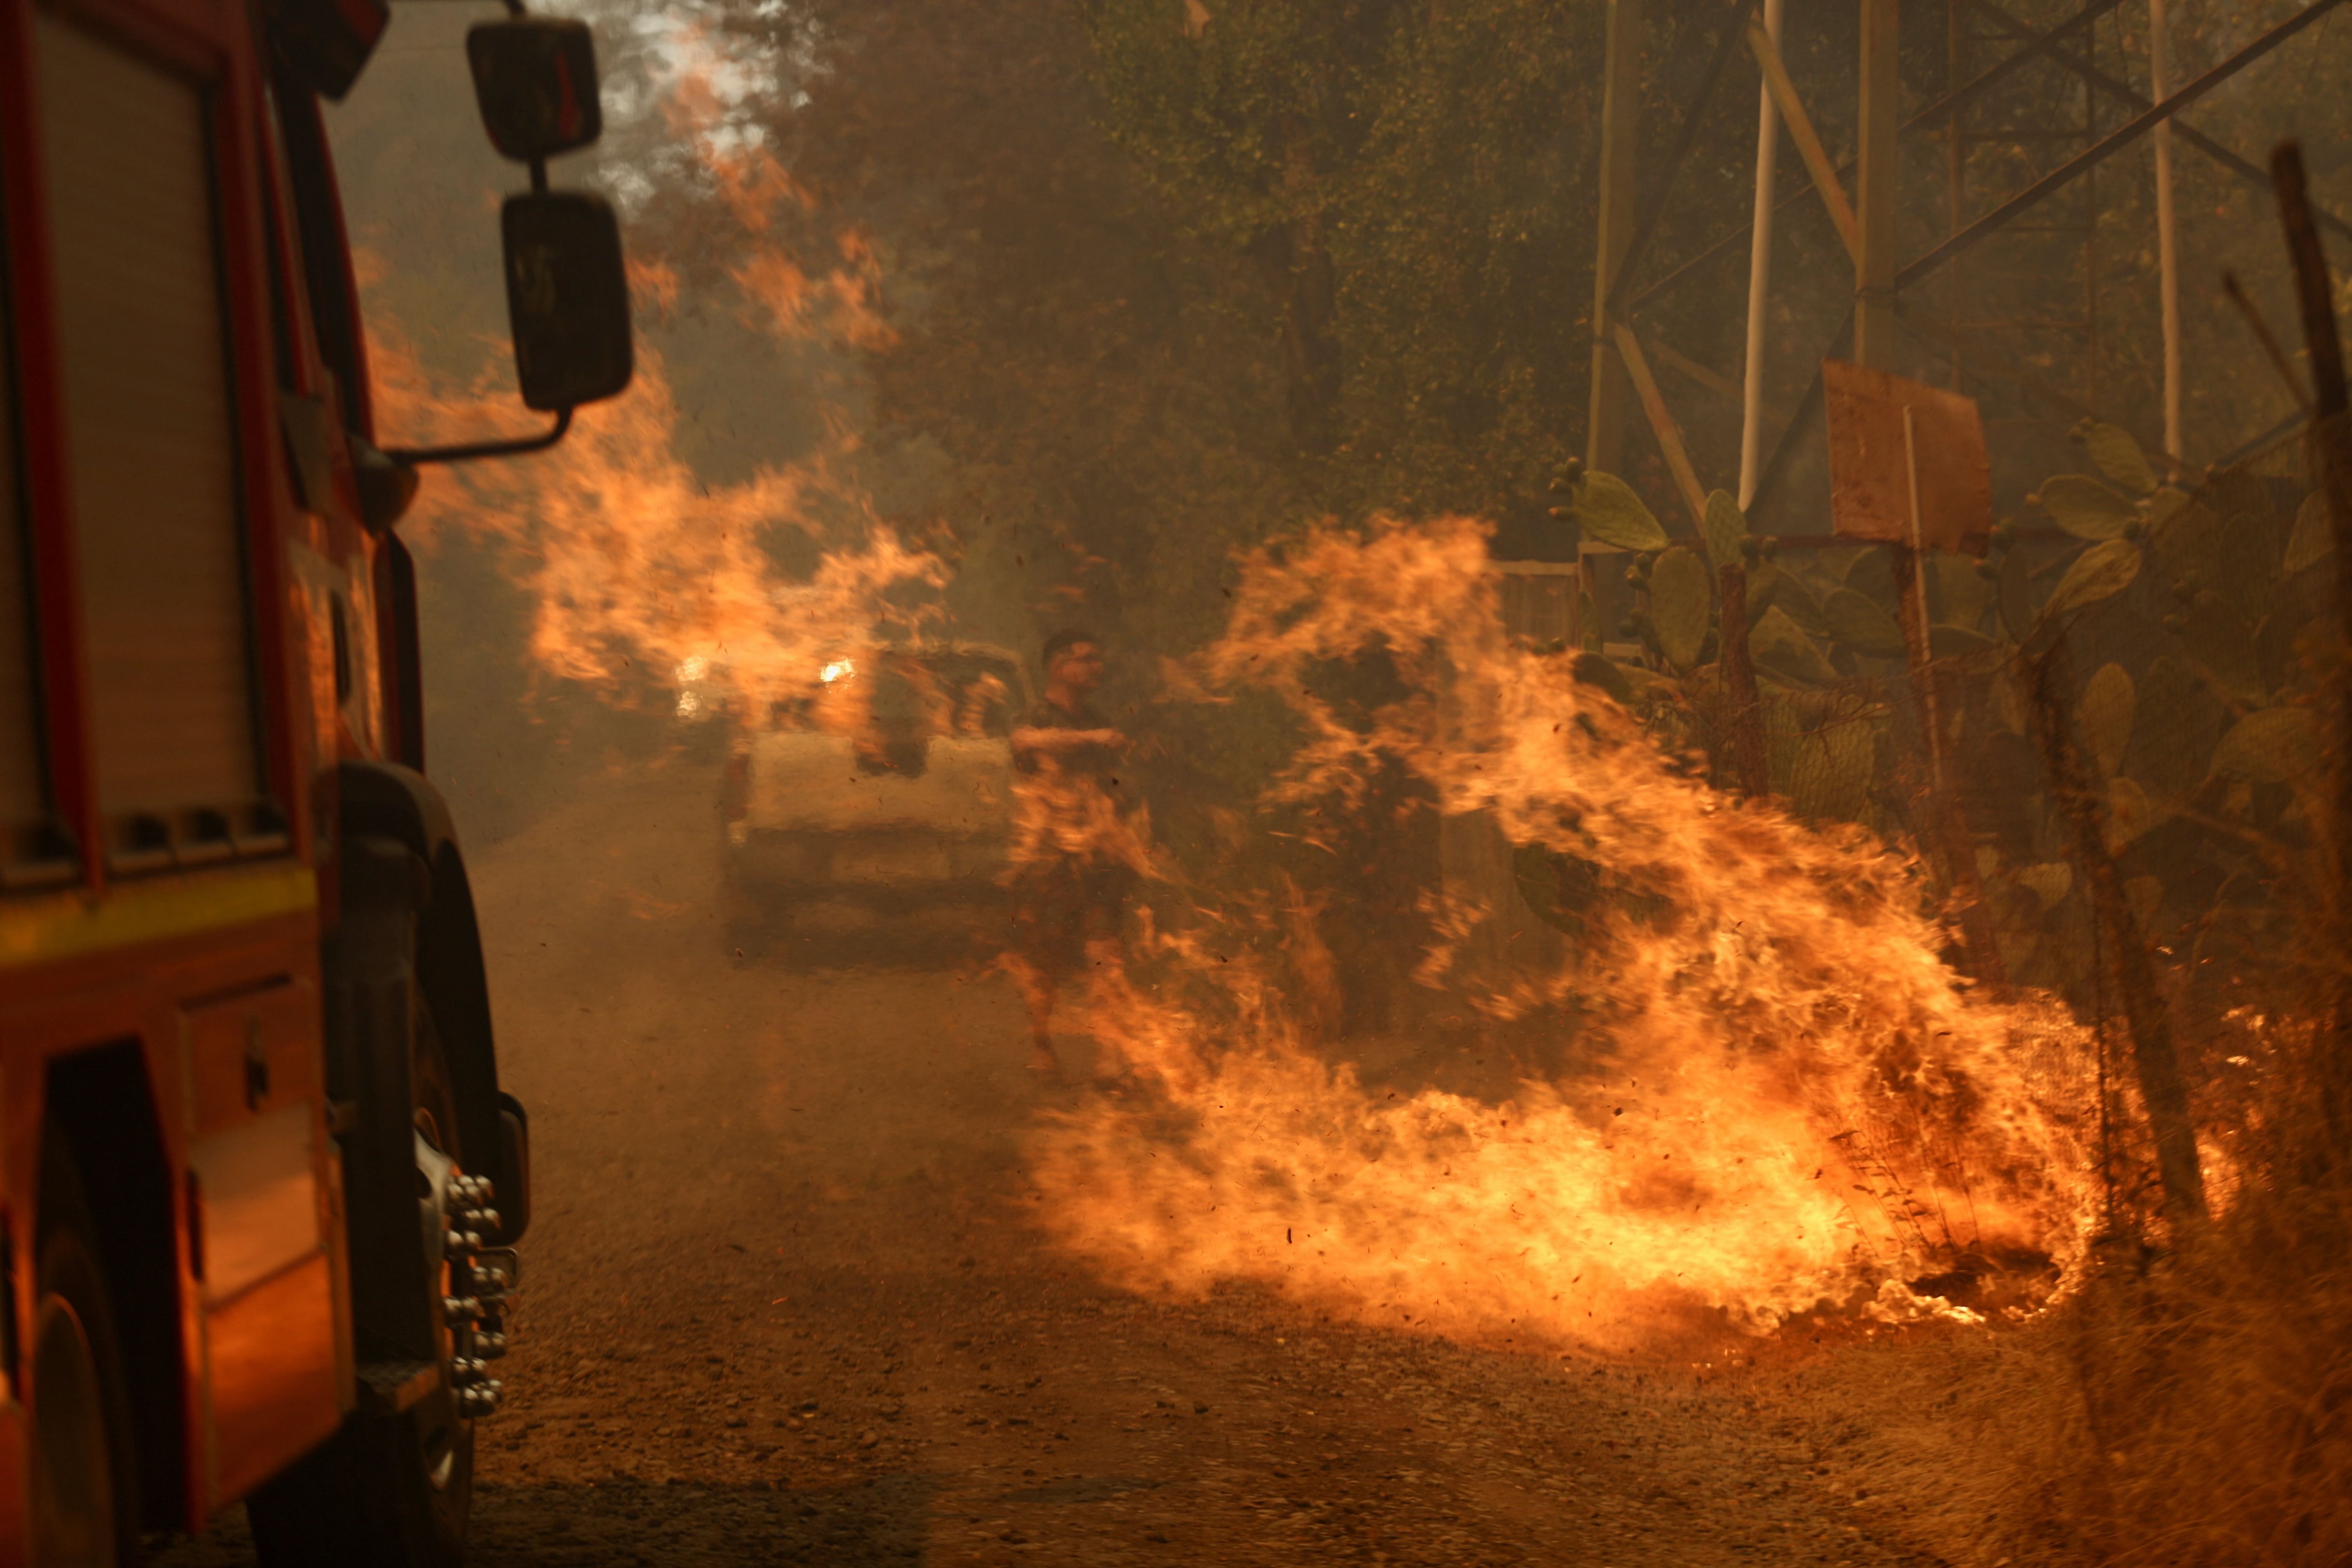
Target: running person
{"x":1076,"y":864}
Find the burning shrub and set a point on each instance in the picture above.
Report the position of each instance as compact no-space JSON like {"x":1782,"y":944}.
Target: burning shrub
{"x":1784,"y":1096}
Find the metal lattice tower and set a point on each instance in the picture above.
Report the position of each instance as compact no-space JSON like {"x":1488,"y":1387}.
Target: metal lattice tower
{"x":1976,"y":215}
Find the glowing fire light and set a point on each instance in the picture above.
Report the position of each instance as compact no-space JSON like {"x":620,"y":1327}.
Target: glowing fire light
{"x":632,"y":562}
{"x":1785,"y":1096}
{"x":1788,"y":1099}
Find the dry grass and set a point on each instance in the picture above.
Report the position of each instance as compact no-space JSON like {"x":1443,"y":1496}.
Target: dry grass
{"x":2210,"y":1421}
{"x":2191,"y":1406}
{"x":2194,"y":1402}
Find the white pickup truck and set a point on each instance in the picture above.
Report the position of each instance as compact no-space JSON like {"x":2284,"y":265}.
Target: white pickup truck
{"x":872,"y":822}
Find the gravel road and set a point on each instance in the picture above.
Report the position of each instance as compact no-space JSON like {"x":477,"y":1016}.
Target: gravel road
{"x":784,"y":1303}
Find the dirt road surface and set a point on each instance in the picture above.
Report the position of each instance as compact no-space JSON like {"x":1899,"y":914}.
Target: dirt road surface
{"x":784,"y":1303}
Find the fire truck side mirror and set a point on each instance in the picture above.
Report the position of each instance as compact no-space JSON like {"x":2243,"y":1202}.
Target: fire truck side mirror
{"x":535,"y":81}
{"x":567,"y":298}
{"x":326,"y":43}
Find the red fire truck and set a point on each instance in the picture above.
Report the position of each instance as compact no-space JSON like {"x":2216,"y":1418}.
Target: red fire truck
{"x":260,"y":1188}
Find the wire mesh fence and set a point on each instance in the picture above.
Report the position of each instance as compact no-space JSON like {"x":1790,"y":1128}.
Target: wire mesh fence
{"x":2106,"y":738}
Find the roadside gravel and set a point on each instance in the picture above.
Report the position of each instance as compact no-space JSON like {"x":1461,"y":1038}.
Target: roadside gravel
{"x":786,"y":1302}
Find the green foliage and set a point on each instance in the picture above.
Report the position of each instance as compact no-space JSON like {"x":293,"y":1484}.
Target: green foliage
{"x":1827,"y":769}
{"x":1242,"y":121}
{"x":1595,"y":669}
{"x":2103,"y":716}
{"x":2013,"y":590}
{"x":1610,"y":512}
{"x":2221,"y":647}
{"x":2194,"y":719}
{"x":1681,"y":606}
{"x":2101,"y":573}
{"x":2117,"y":454}
{"x":2086,"y":508}
{"x":1778,"y":644}
{"x":1112,"y":269}
{"x":2166,"y":690}
{"x":1856,"y":621}
{"x":1725,"y":529}
{"x":2185,"y":540}
{"x":2132,"y":811}
{"x":1944,"y":641}
{"x":2049,"y":880}
{"x":1772,"y":587}
{"x":2198,"y":710}
{"x":1410,"y":187}
{"x":2270,"y":745}
{"x":2313,"y":539}
{"x":1961,"y":590}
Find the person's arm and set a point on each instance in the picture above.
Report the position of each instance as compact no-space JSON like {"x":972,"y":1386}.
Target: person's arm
{"x":1056,"y":740}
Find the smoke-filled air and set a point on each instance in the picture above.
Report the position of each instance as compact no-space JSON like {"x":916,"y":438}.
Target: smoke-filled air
{"x":1311,"y":782}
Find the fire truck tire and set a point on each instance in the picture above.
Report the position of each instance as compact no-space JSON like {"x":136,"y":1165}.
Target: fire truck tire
{"x":387,"y":1490}
{"x":84,"y":1503}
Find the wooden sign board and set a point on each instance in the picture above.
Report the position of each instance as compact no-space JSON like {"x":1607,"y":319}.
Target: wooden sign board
{"x":1871,"y":462}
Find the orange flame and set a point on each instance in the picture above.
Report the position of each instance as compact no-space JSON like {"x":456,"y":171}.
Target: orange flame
{"x":634,"y":565}
{"x":1790,"y":1101}
{"x":636,"y":570}
{"x":1071,"y":817}
{"x":844,"y":302}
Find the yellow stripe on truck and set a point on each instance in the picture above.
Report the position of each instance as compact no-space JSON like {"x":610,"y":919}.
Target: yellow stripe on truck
{"x":72,"y":924}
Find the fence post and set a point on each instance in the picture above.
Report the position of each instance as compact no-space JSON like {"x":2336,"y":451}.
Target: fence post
{"x":1749,"y":763}
{"x":2161,"y":1085}
{"x":2331,"y":455}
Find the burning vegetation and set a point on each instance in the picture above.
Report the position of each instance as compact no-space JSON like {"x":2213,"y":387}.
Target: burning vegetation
{"x":1883,"y":929}
{"x":1782,"y":1098}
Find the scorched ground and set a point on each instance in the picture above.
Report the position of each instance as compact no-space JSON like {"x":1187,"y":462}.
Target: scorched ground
{"x":788,"y":1302}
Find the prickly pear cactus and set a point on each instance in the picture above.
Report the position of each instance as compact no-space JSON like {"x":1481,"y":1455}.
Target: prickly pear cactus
{"x":2187,"y":602}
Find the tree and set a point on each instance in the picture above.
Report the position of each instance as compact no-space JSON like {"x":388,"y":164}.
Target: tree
{"x":1411,"y":179}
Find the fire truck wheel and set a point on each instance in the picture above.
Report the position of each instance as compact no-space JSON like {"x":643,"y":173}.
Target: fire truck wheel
{"x":85,"y":1487}
{"x":444,"y":1437}
{"x":386,"y":1492}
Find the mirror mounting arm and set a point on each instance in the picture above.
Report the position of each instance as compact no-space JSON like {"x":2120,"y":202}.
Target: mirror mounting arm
{"x":413,"y":455}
